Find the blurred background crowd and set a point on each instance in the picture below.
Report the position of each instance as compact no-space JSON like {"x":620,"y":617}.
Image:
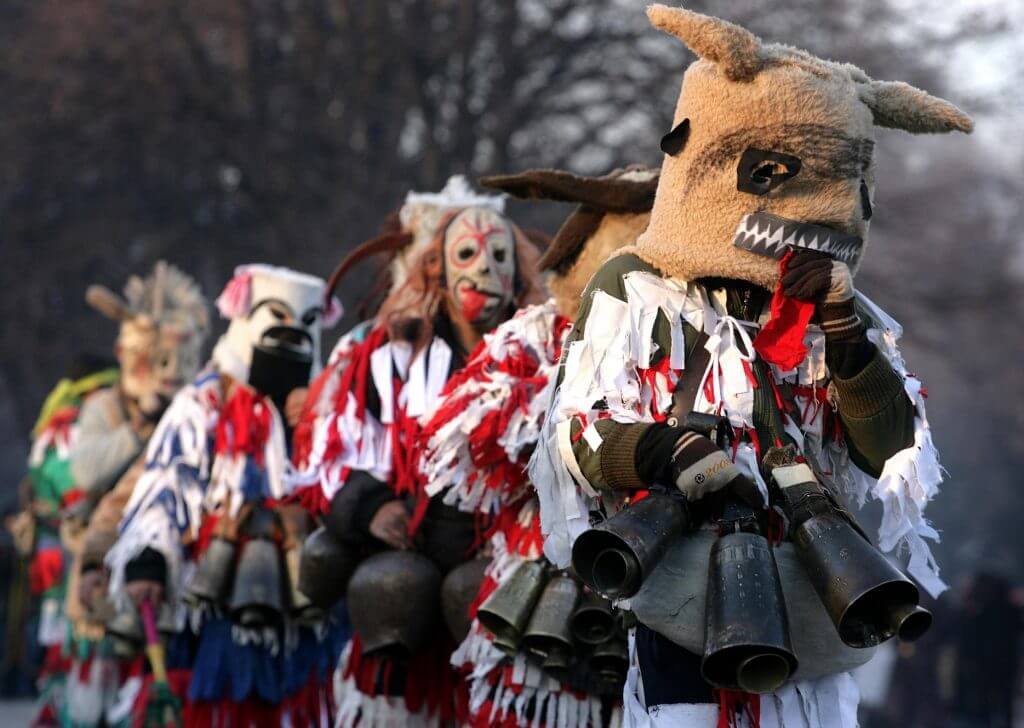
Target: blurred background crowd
{"x":215,"y":133}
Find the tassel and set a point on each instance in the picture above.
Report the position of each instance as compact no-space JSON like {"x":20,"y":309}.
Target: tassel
{"x":781,"y":341}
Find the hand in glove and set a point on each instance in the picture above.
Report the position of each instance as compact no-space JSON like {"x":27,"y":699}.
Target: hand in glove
{"x":700,"y":468}
{"x":390,"y":524}
{"x":813,"y":276}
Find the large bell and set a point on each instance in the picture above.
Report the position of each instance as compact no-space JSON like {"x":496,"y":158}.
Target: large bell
{"x":507,"y":610}
{"x":124,"y":631}
{"x":557,"y":663}
{"x":610,"y":660}
{"x":868,"y":599}
{"x":746,"y":639}
{"x":458,"y":590}
{"x":325,"y":567}
{"x":614,"y":557}
{"x":549,"y":624}
{"x":212,"y":578}
{"x":167,"y":622}
{"x":257,"y":599}
{"x":393,"y":603}
{"x":302,"y":608}
{"x":507,"y":643}
{"x":592,"y":623}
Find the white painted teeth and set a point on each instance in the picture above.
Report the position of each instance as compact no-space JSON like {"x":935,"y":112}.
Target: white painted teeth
{"x":769,"y":236}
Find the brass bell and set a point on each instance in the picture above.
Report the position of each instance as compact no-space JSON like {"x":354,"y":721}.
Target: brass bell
{"x":458,"y":590}
{"x":556,"y":664}
{"x":393,"y":602}
{"x":212,"y":578}
{"x":257,"y":599}
{"x":549,"y":623}
{"x":592,"y":623}
{"x":506,"y":612}
{"x":301,"y":608}
{"x":124,"y":630}
{"x":167,"y":623}
{"x":509,"y":647}
{"x":610,"y":660}
{"x":614,"y":557}
{"x":325,"y":567}
{"x":868,"y":599}
{"x":746,"y":635}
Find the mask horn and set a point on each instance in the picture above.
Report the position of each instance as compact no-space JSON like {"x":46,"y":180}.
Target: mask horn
{"x":389,"y":242}
{"x":107,"y":303}
{"x":735,"y":50}
{"x":898,"y":105}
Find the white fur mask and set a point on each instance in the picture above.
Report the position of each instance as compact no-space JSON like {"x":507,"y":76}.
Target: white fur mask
{"x":259,"y":298}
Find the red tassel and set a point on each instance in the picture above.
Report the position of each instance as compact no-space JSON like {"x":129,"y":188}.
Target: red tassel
{"x":244,"y":425}
{"x":781,"y":341}
{"x":46,"y":569}
{"x":732,"y":704}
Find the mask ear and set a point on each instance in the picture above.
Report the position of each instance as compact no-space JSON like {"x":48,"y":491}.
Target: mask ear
{"x":898,"y":105}
{"x":735,"y":50}
{"x":107,"y":302}
{"x":236,"y":298}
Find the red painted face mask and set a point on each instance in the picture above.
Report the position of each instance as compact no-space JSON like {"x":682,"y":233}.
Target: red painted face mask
{"x":480,"y":266}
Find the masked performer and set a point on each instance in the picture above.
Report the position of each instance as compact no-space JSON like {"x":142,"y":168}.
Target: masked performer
{"x":477,"y":445}
{"x":472,"y":275}
{"x":404,"y":235}
{"x":204,"y":529}
{"x":706,"y":378}
{"x":163,"y":322}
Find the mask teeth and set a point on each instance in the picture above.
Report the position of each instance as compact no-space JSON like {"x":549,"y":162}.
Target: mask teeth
{"x":761,"y":236}
{"x":770,"y":237}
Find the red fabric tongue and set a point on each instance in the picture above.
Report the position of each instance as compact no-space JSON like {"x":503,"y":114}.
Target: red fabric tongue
{"x":473,"y":303}
{"x":781,"y":341}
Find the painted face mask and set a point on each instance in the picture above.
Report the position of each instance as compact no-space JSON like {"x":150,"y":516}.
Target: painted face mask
{"x":480,"y":266}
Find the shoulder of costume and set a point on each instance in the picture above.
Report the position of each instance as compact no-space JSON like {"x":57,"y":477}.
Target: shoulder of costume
{"x":69,"y":393}
{"x":610,"y":277}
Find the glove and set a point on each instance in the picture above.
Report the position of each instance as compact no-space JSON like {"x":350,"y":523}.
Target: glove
{"x":699,"y":468}
{"x":813,"y":276}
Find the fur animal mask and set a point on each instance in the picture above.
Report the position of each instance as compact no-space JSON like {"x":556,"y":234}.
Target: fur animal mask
{"x":771,"y":131}
{"x":163,"y":322}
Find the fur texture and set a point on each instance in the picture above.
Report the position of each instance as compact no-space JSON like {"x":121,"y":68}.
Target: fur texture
{"x":785,"y":101}
{"x":615,"y":231}
{"x":734,"y":49}
{"x":901,"y":106}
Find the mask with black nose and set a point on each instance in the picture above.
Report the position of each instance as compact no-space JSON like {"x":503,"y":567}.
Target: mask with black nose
{"x":479,"y":253}
{"x":273,"y":341}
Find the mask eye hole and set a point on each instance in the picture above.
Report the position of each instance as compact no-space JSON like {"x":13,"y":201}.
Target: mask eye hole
{"x":865,"y":200}
{"x":760,"y":171}
{"x":499,"y":255}
{"x":465,"y":253}
{"x":309,"y":318}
